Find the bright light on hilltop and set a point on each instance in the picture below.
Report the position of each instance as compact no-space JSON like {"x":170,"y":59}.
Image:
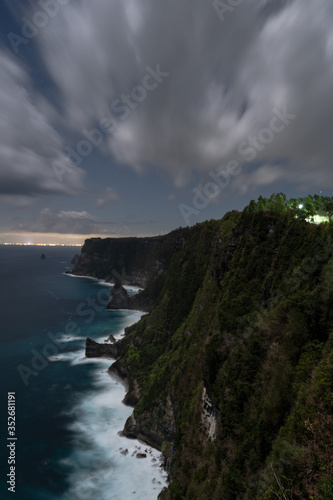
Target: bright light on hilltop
{"x":318,"y":219}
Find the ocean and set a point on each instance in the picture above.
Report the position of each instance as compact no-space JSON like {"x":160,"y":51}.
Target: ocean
{"x":68,"y":409}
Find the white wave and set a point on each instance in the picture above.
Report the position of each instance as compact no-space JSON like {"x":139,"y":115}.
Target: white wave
{"x":129,"y":288}
{"x":79,"y":358}
{"x":64,"y":338}
{"x":99,"y":469}
{"x":79,"y":276}
{"x":103,"y":464}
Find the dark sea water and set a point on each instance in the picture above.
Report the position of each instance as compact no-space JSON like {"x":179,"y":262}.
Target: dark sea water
{"x":68,"y":409}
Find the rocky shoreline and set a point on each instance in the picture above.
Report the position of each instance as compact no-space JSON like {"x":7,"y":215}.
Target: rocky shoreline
{"x":148,"y":428}
{"x":150,"y":434}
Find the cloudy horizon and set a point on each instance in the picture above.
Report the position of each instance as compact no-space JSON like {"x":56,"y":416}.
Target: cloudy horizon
{"x":133,"y":117}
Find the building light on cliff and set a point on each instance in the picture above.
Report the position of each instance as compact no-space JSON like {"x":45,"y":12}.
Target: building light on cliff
{"x":317,"y":219}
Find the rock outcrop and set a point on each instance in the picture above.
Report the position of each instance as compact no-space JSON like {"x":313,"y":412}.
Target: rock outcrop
{"x":117,"y":369}
{"x":146,"y":430}
{"x":96,"y":350}
{"x":119,"y":298}
{"x":120,"y":371}
{"x":154,"y":427}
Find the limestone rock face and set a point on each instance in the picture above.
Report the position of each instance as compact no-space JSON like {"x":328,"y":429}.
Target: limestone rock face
{"x":209,"y":416}
{"x":119,"y":298}
{"x":96,"y":350}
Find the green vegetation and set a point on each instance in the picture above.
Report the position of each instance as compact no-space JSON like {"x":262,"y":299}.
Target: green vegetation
{"x":311,"y":208}
{"x":244,"y":311}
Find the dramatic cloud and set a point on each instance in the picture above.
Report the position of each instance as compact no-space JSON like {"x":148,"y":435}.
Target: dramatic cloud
{"x":29,"y":143}
{"x":62,"y":222}
{"x":227,"y":72}
{"x":142,"y":97}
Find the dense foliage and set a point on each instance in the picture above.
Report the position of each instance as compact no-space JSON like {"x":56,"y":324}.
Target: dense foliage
{"x":244,"y":311}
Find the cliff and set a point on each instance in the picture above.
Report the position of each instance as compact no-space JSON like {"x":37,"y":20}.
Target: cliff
{"x":231,"y":373}
{"x":131,"y":261}
{"x":142,"y":301}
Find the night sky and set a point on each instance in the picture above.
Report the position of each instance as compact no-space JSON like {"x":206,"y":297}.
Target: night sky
{"x":134,"y":117}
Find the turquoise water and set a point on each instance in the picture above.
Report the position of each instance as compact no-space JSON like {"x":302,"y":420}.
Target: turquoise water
{"x":68,"y":409}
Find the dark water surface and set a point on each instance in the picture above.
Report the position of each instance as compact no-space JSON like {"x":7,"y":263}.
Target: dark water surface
{"x":68,"y":409}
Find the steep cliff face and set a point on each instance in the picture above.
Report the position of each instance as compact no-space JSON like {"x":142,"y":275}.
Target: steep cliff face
{"x":240,"y":341}
{"x":132,"y":261}
{"x":232,"y":370}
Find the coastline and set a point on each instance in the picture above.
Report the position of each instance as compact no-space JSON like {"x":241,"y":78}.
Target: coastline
{"x":120,"y":376}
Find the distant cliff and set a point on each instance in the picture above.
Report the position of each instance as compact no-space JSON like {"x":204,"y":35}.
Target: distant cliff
{"x":231,"y":373}
{"x":132,"y":261}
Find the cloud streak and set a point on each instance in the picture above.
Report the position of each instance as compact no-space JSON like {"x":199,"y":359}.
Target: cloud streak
{"x":63,"y":222}
{"x":224,"y":81}
{"x":29,"y":141}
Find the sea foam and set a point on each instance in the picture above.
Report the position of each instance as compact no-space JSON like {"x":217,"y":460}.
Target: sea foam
{"x":103,"y":463}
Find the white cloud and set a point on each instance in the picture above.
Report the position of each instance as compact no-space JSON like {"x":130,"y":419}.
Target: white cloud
{"x":29,"y":143}
{"x":225,"y":79}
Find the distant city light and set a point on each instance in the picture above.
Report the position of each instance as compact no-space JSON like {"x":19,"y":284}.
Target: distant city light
{"x":45,"y":244}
